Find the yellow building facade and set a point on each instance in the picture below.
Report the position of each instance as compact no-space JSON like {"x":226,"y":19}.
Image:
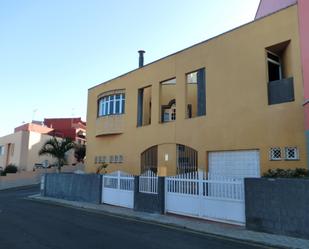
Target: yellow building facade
{"x":231,"y":105}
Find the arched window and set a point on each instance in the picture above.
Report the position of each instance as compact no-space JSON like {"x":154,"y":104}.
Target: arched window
{"x":169,"y":111}
{"x":186,"y":159}
{"x":111,"y":104}
{"x":149,"y":159}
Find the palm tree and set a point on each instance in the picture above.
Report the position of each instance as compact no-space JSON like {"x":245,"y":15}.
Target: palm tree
{"x":57,"y":149}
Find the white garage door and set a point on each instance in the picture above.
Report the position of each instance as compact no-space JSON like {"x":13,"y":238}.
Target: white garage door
{"x":243,"y":163}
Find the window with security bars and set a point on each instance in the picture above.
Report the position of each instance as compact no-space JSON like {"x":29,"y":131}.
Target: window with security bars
{"x":291,"y":153}
{"x":186,"y":159}
{"x":149,"y":160}
{"x":275,"y":153}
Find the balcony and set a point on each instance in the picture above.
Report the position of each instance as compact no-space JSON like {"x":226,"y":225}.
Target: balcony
{"x":280,"y":91}
{"x":108,"y":125}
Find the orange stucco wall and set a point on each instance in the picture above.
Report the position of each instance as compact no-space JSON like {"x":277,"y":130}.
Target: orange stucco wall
{"x":238,"y":116}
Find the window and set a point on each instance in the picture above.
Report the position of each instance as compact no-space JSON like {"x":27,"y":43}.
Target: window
{"x":196,"y":94}
{"x":186,"y":159}
{"x":280,"y":80}
{"x":111,"y":104}
{"x":274,"y":66}
{"x":1,"y":150}
{"x":149,"y":159}
{"x":169,"y":111}
{"x":291,"y":153}
{"x":275,"y":154}
{"x":144,"y":106}
{"x":168,"y":100}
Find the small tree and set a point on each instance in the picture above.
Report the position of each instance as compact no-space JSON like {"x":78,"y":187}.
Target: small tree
{"x":57,"y":149}
{"x":80,"y":152}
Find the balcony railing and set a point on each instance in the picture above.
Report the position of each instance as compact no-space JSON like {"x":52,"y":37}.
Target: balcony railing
{"x":280,"y":91}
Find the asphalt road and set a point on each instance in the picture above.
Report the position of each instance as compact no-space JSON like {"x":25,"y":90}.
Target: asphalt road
{"x":28,"y":224}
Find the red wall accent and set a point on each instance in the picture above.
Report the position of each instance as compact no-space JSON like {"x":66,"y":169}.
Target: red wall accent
{"x":65,"y":127}
{"x":267,"y":7}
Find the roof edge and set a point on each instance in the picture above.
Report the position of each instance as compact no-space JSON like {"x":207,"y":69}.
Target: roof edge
{"x":194,"y":45}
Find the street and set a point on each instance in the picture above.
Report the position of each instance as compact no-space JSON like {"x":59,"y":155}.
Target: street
{"x":34,"y":225}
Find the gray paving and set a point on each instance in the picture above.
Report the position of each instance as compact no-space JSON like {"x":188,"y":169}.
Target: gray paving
{"x":35,"y":225}
{"x":196,"y":225}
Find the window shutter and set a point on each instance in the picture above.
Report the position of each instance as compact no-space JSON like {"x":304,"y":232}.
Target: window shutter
{"x":140,"y":107}
{"x":201,"y":92}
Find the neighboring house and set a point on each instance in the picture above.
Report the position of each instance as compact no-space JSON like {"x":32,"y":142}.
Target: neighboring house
{"x":232,"y":105}
{"x":35,"y":127}
{"x":73,"y":128}
{"x":21,"y":148}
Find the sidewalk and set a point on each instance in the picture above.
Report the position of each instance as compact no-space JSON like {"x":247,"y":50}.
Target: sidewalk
{"x":192,"y":224}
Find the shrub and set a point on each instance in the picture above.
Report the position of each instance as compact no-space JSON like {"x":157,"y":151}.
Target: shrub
{"x":80,"y":152}
{"x":11,"y":168}
{"x":101,"y":167}
{"x":287,"y":173}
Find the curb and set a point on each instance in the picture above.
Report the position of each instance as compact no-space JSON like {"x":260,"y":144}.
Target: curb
{"x":21,"y":187}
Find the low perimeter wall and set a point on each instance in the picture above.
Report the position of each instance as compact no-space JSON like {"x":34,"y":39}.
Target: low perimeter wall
{"x":279,"y":206}
{"x":73,"y":187}
{"x":25,"y":178}
{"x":20,"y":179}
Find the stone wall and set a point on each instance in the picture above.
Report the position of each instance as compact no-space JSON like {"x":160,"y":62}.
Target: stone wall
{"x":147,"y":202}
{"x":73,"y":187}
{"x":279,"y":206}
{"x":26,"y":178}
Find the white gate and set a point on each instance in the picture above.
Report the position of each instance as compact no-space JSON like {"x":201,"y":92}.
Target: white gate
{"x":148,"y":182}
{"x":118,"y":189}
{"x":212,"y":197}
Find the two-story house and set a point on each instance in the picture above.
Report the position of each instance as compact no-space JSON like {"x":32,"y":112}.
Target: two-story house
{"x":231,"y":105}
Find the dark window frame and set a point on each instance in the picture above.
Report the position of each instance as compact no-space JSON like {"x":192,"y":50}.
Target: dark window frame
{"x":201,"y":93}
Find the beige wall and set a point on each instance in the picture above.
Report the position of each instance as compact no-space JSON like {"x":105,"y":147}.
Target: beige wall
{"x":35,"y":143}
{"x":26,"y":148}
{"x":238,"y":116}
{"x":12,"y":157}
{"x":147,"y":106}
{"x":191,"y":98}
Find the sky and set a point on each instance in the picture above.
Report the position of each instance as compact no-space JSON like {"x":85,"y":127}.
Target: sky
{"x":53,"y":51}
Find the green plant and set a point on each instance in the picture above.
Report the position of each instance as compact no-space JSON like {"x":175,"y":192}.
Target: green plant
{"x":11,"y":168}
{"x":57,"y":148}
{"x":80,"y":152}
{"x":287,"y":173}
{"x":101,"y":167}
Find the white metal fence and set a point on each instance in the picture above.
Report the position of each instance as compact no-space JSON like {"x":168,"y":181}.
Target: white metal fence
{"x":224,"y":187}
{"x":209,"y":196}
{"x":118,"y":189}
{"x":148,"y":182}
{"x":194,"y":194}
{"x":119,"y":180}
